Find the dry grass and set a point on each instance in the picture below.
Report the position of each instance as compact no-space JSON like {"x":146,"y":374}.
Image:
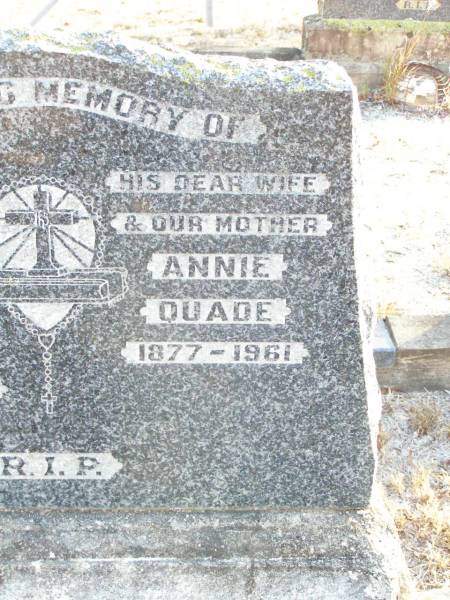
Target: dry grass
{"x":414,"y":468}
{"x":425,"y":417}
{"x":396,"y":483}
{"x":422,"y":520}
{"x":390,"y":309}
{"x":382,"y":439}
{"x":397,"y":68}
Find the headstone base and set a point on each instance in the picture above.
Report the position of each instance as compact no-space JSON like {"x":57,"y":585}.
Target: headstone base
{"x":363,"y":47}
{"x":102,"y":555}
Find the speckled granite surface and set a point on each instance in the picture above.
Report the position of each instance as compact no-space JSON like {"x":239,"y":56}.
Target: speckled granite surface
{"x":114,"y":393}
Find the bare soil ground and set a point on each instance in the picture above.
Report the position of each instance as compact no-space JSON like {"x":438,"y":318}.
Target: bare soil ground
{"x":178,"y":22}
{"x":406,"y":215}
{"x":405,"y":170}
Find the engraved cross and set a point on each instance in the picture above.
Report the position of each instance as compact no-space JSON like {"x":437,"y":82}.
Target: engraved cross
{"x":43,"y":217}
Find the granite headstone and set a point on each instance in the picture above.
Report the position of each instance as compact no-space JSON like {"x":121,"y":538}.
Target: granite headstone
{"x":181,"y":328}
{"x":178,"y":298}
{"x":421,"y":10}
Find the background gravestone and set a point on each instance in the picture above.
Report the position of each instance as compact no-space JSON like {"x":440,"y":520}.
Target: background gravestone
{"x":181,"y":326}
{"x":421,"y":10}
{"x":363,"y":36}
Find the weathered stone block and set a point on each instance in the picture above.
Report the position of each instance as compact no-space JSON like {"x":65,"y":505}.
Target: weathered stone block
{"x":364,"y":47}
